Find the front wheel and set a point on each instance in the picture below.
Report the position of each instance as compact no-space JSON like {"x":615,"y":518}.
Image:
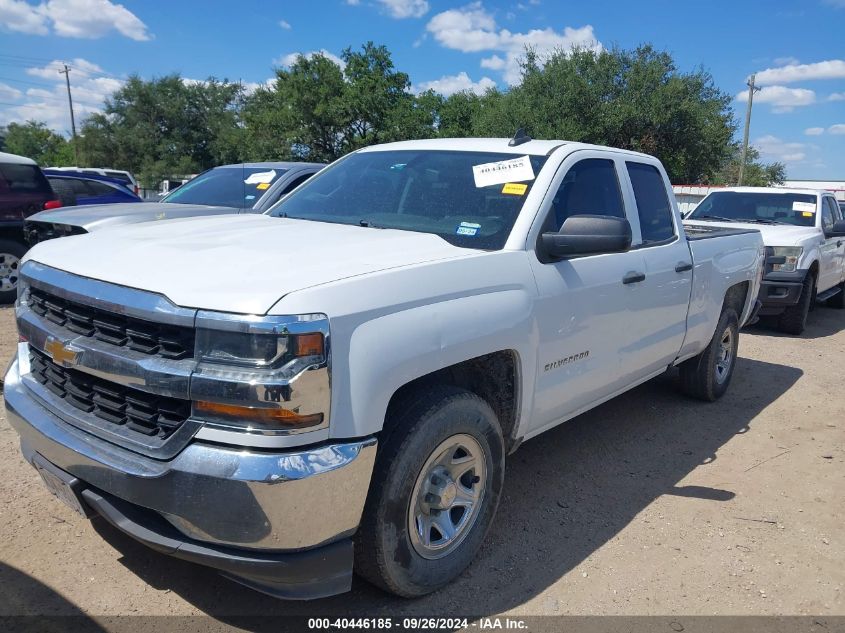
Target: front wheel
{"x":708,"y":375}
{"x":794,"y":318}
{"x":435,"y":490}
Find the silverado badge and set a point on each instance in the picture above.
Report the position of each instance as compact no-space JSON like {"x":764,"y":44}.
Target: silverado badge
{"x":61,"y":353}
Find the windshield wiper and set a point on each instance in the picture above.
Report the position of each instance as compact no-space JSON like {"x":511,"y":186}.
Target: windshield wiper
{"x":760,"y":221}
{"x":717,"y":218}
{"x":368,"y":224}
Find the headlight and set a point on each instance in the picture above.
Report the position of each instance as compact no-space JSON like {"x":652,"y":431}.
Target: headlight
{"x":784,"y":259}
{"x":262,"y":374}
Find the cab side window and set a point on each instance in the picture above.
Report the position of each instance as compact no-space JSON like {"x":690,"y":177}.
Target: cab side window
{"x":590,"y":187}
{"x":828,"y":214}
{"x":653,"y":205}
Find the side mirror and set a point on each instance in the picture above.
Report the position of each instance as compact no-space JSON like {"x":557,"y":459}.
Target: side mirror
{"x":588,"y":235}
{"x":838,"y":229}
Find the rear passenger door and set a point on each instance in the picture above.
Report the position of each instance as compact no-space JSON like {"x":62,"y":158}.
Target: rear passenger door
{"x":661,"y":318}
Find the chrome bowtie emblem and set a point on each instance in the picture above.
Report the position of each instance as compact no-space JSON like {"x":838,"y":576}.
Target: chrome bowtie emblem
{"x":61,"y":353}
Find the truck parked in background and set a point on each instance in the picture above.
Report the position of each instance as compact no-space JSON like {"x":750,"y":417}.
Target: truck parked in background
{"x":804,"y":233}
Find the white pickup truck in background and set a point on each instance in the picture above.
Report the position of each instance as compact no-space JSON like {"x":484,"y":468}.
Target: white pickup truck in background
{"x":804,"y":234}
{"x":281,"y":397}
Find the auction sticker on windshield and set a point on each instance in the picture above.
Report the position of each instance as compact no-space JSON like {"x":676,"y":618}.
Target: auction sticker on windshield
{"x":261,"y":177}
{"x":503,"y":171}
{"x":806,"y":207}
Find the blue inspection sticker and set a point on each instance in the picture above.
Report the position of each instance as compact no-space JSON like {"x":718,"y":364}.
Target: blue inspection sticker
{"x":467,"y":228}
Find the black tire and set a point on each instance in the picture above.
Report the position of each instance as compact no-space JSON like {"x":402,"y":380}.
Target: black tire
{"x":384,"y":552}
{"x":11,"y":253}
{"x":701,"y":376}
{"x":64,"y":192}
{"x":794,"y":318}
{"x":838,"y":300}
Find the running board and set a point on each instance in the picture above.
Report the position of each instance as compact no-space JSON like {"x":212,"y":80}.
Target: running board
{"x":827,"y":294}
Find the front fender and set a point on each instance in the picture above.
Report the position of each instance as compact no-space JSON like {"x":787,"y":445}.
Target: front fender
{"x":390,"y":351}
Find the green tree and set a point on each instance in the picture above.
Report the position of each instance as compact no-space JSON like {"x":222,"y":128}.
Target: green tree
{"x":755,"y":174}
{"x":165,"y":126}
{"x":634,"y":100}
{"x":35,"y":140}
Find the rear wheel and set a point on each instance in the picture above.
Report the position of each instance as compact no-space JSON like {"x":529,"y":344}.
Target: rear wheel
{"x":794,"y":318}
{"x":436,"y":487}
{"x":11,"y":253}
{"x":708,"y":375}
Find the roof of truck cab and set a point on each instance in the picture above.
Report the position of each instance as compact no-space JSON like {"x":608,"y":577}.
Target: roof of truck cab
{"x":810,"y":192}
{"x":14,"y":159}
{"x":500,"y":145}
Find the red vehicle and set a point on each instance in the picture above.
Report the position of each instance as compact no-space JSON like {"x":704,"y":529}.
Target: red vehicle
{"x":23,"y":191}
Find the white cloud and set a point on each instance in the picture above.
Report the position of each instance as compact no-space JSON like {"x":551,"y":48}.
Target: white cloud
{"x":290,"y":58}
{"x":839,"y":128}
{"x":773,"y":148}
{"x":87,"y":19}
{"x":814,"y":131}
{"x":285,"y":25}
{"x":353,"y":3}
{"x":16,"y":15}
{"x":473,"y":29}
{"x":831,"y":69}
{"x":450,"y":84}
{"x":836,"y":96}
{"x":786,"y":61}
{"x":837,"y":4}
{"x":49,"y":104}
{"x":781,"y":98}
{"x":8,"y":93}
{"x":493,"y":63}
{"x":401,"y":9}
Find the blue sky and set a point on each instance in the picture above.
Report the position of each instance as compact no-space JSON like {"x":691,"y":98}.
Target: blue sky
{"x":797,"y":49}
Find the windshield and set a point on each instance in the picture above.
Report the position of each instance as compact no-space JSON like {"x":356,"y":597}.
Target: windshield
{"x":421,"y":190}
{"x":798,"y":209}
{"x":239,"y":187}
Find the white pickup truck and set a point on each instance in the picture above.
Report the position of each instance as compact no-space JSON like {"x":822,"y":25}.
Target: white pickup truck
{"x":804,"y":234}
{"x":278,"y":396}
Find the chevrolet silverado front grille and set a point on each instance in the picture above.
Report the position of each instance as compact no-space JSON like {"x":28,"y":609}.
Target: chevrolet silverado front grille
{"x":167,"y":341}
{"x":138,"y":411}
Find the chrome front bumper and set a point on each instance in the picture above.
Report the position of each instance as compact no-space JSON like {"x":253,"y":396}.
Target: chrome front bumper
{"x":227,"y":496}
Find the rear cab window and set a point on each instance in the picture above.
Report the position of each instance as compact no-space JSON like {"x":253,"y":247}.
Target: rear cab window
{"x":21,"y":178}
{"x":653,"y":207}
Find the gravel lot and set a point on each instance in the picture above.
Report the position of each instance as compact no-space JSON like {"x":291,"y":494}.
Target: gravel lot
{"x":650,"y":504}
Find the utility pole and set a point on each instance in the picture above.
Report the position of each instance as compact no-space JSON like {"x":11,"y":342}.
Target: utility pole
{"x":751,"y":90}
{"x":66,"y":73}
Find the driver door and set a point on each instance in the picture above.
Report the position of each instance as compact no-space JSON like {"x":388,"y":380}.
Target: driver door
{"x":585,"y":304}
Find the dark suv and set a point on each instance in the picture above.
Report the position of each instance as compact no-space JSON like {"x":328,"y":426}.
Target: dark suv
{"x":23,"y":191}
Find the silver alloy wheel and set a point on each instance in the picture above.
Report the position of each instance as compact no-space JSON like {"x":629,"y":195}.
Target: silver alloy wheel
{"x":726,"y":356}
{"x":9,"y":266}
{"x":447,"y":496}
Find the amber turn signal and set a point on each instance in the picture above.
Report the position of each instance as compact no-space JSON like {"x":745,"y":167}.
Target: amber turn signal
{"x":269,"y":416}
{"x":308,"y":345}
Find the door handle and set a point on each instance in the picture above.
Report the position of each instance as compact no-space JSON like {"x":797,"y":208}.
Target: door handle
{"x":839,"y":243}
{"x":633,"y":277}
{"x":682,"y":267}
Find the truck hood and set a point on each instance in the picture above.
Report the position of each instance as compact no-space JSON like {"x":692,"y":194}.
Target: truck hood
{"x":243,"y":263}
{"x":99,"y":216}
{"x":773,"y":234}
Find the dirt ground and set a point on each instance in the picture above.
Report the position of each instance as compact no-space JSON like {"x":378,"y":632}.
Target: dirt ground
{"x":650,"y":504}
